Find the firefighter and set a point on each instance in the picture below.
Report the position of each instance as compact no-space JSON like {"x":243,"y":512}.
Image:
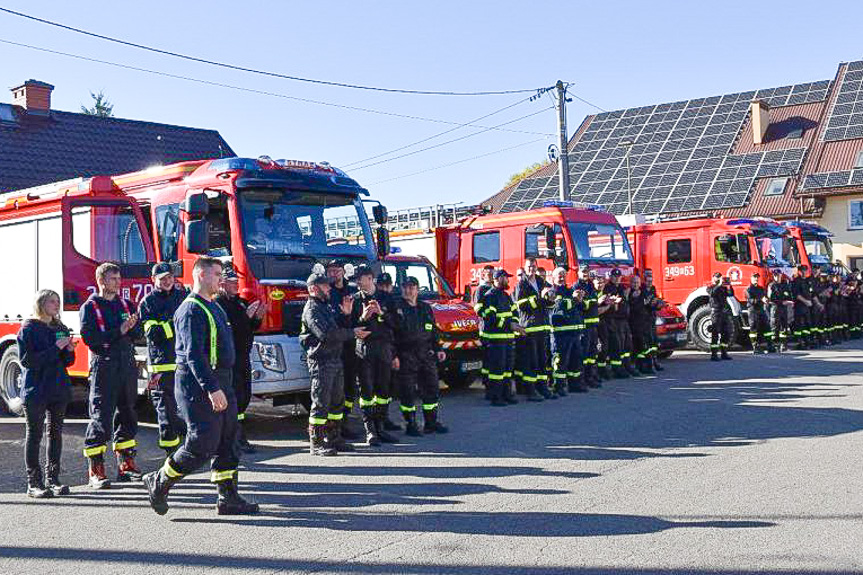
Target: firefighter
{"x":205,"y":394}
{"x":372,"y":310}
{"x":839,"y":309}
{"x":603,"y":307}
{"x":530,"y":351}
{"x":339,"y":290}
{"x":419,"y":352}
{"x":654,"y":304}
{"x":109,"y":327}
{"x":499,"y":328}
{"x":245,"y":318}
{"x":567,"y":328}
{"x":156,"y":311}
{"x":590,"y":337}
{"x":801,"y":289}
{"x":820,"y":317}
{"x":325,"y":329}
{"x":619,"y":336}
{"x":485,"y":284}
{"x":638,"y":325}
{"x":781,"y":302}
{"x":756,"y":299}
{"x":720,"y":316}
{"x":854,"y":306}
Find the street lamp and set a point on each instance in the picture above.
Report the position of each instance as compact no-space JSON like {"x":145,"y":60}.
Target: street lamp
{"x":628,"y":145}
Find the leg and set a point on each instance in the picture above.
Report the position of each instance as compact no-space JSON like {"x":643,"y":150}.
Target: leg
{"x":725,"y":334}
{"x":429,"y":388}
{"x":126,"y":422}
{"x":102,"y":403}
{"x":542,"y":363}
{"x":384,"y":394}
{"x":318,"y":413}
{"x":166,"y":412}
{"x":406,"y":379}
{"x":226,"y":460}
{"x":715,"y":331}
{"x":242,"y":378}
{"x":496,"y":357}
{"x":575,"y":365}
{"x":34,"y":416}
{"x":509,"y":365}
{"x":55,"y":414}
{"x":366,"y":373}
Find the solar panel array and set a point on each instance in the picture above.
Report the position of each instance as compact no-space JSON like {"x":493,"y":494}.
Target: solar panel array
{"x":846,"y":118}
{"x":841,"y":179}
{"x":680,"y":160}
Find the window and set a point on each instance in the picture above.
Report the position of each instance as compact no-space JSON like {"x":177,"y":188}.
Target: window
{"x":595,"y":242}
{"x":168,"y":227}
{"x":532,"y":240}
{"x":732,"y":249}
{"x":678,"y":251}
{"x":108,"y":233}
{"x":431,"y":284}
{"x":486,"y":247}
{"x":858,"y":163}
{"x":776,"y":187}
{"x":855,"y":263}
{"x":855,"y":215}
{"x":795,"y":133}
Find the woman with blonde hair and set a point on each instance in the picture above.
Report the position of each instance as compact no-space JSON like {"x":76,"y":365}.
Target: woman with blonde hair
{"x":46,"y":350}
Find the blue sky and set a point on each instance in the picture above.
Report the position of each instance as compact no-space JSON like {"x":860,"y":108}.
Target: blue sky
{"x":617,"y":54}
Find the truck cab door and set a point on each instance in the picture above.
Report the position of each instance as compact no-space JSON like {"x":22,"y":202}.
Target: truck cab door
{"x":679,"y":276}
{"x":101,"y":228}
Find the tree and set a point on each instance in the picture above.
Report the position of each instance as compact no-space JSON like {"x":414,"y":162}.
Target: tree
{"x":101,"y":106}
{"x":519,"y":176}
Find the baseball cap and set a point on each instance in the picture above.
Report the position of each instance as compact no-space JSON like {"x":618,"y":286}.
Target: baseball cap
{"x":162,"y":268}
{"x":336,"y":263}
{"x":502,"y":274}
{"x":616,"y":273}
{"x":363,"y":270}
{"x":717,"y":274}
{"x":317,"y":279}
{"x":229,"y":274}
{"x":384,"y":279}
{"x":411,"y":281}
{"x":777,"y":272}
{"x":583,"y":268}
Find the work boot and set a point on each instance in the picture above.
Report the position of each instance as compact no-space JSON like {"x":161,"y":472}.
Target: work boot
{"x":371,"y":430}
{"x":657,"y":365}
{"x":96,"y":473}
{"x":242,"y":441}
{"x":593,"y":381}
{"x":714,"y":355}
{"x":771,"y":348}
{"x":35,"y":486}
{"x":542,"y":389}
{"x":316,"y":441}
{"x":576,"y":384}
{"x":431,"y":423}
{"x":158,"y":485}
{"x":560,"y":387}
{"x":411,"y":427}
{"x":127,"y":470}
{"x":627,"y":365}
{"x":496,"y":394}
{"x":380,"y":418}
{"x":348,"y":433}
{"x":333,"y":436}
{"x":230,"y":502}
{"x":724,"y":354}
{"x":646,"y":366}
{"x":619,"y":372}
{"x":605,"y":373}
{"x":52,"y":475}
{"x":531,"y":393}
{"x":508,"y":396}
{"x":388,"y":424}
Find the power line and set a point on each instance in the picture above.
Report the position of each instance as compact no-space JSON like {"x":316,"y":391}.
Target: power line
{"x":580,"y":99}
{"x":256,"y":71}
{"x":252,"y":90}
{"x":457,"y":162}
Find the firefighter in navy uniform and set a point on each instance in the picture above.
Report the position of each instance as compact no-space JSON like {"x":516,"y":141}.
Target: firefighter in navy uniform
{"x":720,"y":317}
{"x":485,"y":284}
{"x":499,"y":328}
{"x":156,"y":311}
{"x":603,"y":307}
{"x":530,"y":349}
{"x":804,"y":295}
{"x":110,"y":327}
{"x":419,"y":353}
{"x":590,"y":337}
{"x":339,"y":290}
{"x":639,"y":317}
{"x":205,"y":394}
{"x":567,"y":328}
{"x":756,"y":299}
{"x":245,"y":318}
{"x":654,"y":304}
{"x":619,"y":335}
{"x":325,"y":329}
{"x":781,"y":301}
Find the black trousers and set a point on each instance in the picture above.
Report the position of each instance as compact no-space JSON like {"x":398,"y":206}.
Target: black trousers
{"x":211,"y":436}
{"x":417,"y":377}
{"x":375,"y":374}
{"x":602,"y":343}
{"x":113,"y":392}
{"x":242,"y":382}
{"x":327,"y":391}
{"x":37,"y":416}
{"x":349,"y":365}
{"x":171,"y":425}
{"x":720,"y":334}
{"x":759,"y":325}
{"x":779,"y":323}
{"x":531,"y":355}
{"x":802,"y":321}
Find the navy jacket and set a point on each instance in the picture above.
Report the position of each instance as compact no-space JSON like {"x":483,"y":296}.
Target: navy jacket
{"x":108,"y":342}
{"x":45,"y":378}
{"x":193,"y":341}
{"x":157,"y":318}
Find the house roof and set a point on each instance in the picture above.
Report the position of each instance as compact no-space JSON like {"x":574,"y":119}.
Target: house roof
{"x":40,"y":149}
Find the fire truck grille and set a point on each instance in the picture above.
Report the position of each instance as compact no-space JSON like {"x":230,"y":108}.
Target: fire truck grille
{"x":292,"y":314}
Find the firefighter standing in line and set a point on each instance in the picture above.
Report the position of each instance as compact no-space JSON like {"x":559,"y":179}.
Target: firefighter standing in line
{"x":499,"y":328}
{"x":372,"y":310}
{"x":654,"y":304}
{"x":781,"y":301}
{"x":530,"y":351}
{"x":589,"y":338}
{"x":720,"y":316}
{"x":340,"y":289}
{"x":157,"y":318}
{"x":567,"y":327}
{"x":205,"y":394}
{"x":854,"y":307}
{"x":603,"y":307}
{"x":638,"y":325}
{"x":819,"y":319}
{"x":324,"y":332}
{"x":245,"y":318}
{"x":419,"y":353}
{"x":803,"y":294}
{"x":486,"y":283}
{"x":756,"y":298}
{"x":384,"y":286}
{"x":109,"y":327}
{"x":619,"y":336}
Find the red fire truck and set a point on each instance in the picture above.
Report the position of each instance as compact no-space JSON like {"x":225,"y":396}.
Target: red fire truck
{"x":814,"y":246}
{"x":273,"y":220}
{"x":456,"y":320}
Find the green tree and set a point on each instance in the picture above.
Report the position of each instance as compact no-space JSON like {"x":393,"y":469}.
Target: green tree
{"x":519,"y":176}
{"x":101,"y":106}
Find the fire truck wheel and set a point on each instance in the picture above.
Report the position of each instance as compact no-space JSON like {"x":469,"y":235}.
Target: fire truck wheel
{"x":10,"y":381}
{"x":459,"y":380}
{"x":699,"y":328}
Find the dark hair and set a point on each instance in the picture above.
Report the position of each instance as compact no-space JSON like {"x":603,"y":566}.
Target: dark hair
{"x":206,"y":262}
{"x":488,"y":268}
{"x":105,"y":269}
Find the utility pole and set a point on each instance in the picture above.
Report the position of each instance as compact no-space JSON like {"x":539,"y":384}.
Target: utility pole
{"x":563,"y":158}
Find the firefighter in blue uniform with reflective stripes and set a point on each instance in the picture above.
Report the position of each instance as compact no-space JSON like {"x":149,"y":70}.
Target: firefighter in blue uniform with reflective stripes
{"x":720,"y":316}
{"x":157,"y":318}
{"x":567,"y":328}
{"x":486,"y":283}
{"x":530,"y":349}
{"x":110,"y":327}
{"x":590,"y":336}
{"x":205,"y":394}
{"x":499,"y":328}
{"x":654,"y":304}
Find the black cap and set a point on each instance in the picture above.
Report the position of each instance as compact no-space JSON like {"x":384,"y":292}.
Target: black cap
{"x":317,"y":279}
{"x":717,"y":274}
{"x":583,"y":268}
{"x":363,"y":270}
{"x":161,"y":269}
{"x":411,"y":281}
{"x":229,"y":273}
{"x":756,"y":275}
{"x":336,"y":263}
{"x":616,"y":273}
{"x":502,"y":274}
{"x":777,"y":272}
{"x":384,"y":279}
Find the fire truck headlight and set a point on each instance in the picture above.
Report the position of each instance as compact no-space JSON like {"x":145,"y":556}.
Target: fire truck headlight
{"x":271,"y":355}
{"x":659,"y":321}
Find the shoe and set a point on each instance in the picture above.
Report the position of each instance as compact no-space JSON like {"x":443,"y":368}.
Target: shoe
{"x":380,"y":425}
{"x":714,"y":356}
{"x":725,"y":355}
{"x":52,"y":473}
{"x":531,"y":393}
{"x":388,"y":425}
{"x":542,"y":389}
{"x":348,"y":434}
{"x":158,"y":485}
{"x":36,"y":487}
{"x":333,"y":436}
{"x":431,"y":424}
{"x":646,"y":367}
{"x":606,"y":373}
{"x":96,"y":474}
{"x":372,"y":437}
{"x":127,"y":469}
{"x":411,"y":427}
{"x":317,"y":433}
{"x":230,"y":502}
{"x":631,"y":370}
{"x":656,"y":365}
{"x":619,"y":372}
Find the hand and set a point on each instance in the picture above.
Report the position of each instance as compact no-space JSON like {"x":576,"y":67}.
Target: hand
{"x":63,"y":342}
{"x":72,"y":344}
{"x":578,"y":294}
{"x":127,"y":325}
{"x":441,"y":355}
{"x":519,"y":330}
{"x":396,"y":363}
{"x":219,"y":401}
{"x":261,"y":311}
{"x":253,"y":309}
{"x":153,"y":382}
{"x":347,"y":305}
{"x":361,"y":332}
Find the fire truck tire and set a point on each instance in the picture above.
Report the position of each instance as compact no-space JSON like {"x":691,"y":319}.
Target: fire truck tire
{"x":699,"y":328}
{"x":459,"y":380}
{"x":10,"y":381}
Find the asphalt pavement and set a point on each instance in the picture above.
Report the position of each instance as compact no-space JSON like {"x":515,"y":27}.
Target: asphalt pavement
{"x":747,"y":466}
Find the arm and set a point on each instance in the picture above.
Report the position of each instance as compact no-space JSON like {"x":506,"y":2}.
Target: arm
{"x":29,"y":355}
{"x":153,"y":331}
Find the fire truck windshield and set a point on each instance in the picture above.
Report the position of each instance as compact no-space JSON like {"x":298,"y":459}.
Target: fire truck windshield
{"x":777,"y":250}
{"x":431,"y":284}
{"x":596,"y":242}
{"x":304,"y":223}
{"x":819,"y":249}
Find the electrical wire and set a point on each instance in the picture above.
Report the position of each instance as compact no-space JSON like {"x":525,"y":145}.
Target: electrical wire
{"x":256,"y":71}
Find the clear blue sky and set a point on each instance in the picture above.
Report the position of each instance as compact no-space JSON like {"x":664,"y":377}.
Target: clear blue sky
{"x":617,"y":54}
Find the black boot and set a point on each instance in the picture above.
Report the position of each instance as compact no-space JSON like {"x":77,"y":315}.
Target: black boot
{"x":656,"y":365}
{"x":508,"y":395}
{"x":542,"y":389}
{"x":605,"y":372}
{"x":411,"y":427}
{"x":35,"y":485}
{"x":431,"y":423}
{"x":630,"y":369}
{"x":619,"y":371}
{"x":388,"y":424}
{"x":230,"y":502}
{"x":372,"y":437}
{"x":242,"y":441}
{"x":531,"y":393}
{"x":158,"y":485}
{"x":317,"y":445}
{"x":52,"y":476}
{"x":714,"y":355}
{"x":380,"y":418}
{"x":333,"y":437}
{"x":724,"y":354}
{"x":646,"y":366}
{"x":576,"y":384}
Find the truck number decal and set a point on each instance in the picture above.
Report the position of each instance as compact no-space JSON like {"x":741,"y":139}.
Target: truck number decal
{"x":475,"y":275}
{"x":140,"y":291}
{"x":674,"y":271}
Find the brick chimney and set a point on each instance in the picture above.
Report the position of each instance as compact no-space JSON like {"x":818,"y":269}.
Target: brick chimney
{"x":33,"y":96}
{"x":760,"y":120}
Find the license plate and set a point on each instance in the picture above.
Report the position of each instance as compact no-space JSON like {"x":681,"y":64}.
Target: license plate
{"x":471,"y":366}
{"x":682,"y":336}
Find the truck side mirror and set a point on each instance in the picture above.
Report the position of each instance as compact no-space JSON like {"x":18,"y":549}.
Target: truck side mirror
{"x":197,"y":237}
{"x":196,"y":205}
{"x":383,"y":241}
{"x":380,"y":214}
